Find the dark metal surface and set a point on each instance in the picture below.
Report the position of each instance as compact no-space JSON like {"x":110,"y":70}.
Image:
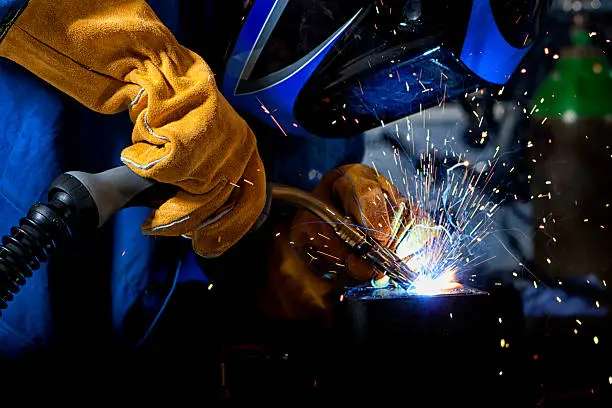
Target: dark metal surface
{"x":428,"y":348}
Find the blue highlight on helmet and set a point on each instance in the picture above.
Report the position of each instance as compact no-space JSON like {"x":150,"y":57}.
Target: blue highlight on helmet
{"x":483,"y":54}
{"x":485,"y":51}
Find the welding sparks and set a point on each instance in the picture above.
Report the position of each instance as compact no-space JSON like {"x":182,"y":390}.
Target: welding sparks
{"x":269,"y":113}
{"x":451,"y":212}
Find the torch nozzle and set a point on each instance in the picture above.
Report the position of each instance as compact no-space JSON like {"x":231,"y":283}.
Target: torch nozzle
{"x":381,"y":257}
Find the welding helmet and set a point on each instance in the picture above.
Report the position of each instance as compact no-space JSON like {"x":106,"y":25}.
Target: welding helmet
{"x":336,"y":68}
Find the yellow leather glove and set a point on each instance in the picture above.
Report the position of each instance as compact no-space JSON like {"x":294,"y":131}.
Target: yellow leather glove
{"x":116,"y":55}
{"x":374,"y":204}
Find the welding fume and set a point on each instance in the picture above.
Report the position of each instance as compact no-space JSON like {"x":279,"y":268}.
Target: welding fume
{"x":183,"y":153}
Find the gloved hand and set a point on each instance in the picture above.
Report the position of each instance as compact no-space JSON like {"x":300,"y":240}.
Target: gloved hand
{"x":117,"y":55}
{"x":374,"y":204}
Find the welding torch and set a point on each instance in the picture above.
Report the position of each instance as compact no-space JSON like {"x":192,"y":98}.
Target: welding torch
{"x":80,"y":202}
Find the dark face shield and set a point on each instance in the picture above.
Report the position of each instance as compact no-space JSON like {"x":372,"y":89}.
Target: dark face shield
{"x":335,"y":68}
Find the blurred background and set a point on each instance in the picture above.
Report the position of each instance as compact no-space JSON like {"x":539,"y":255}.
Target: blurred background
{"x":551,"y":237}
{"x":550,"y":128}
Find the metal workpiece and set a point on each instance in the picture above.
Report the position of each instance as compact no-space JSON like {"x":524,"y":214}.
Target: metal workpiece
{"x":441,"y":348}
{"x":367,"y":292}
{"x":381,"y":257}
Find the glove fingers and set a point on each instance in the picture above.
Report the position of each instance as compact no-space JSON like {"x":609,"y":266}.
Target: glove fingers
{"x":182,"y":213}
{"x":143,"y":157}
{"x":218,"y":233}
{"x":422,"y":233}
{"x":324,"y":188}
{"x":365,"y":196}
{"x":364,"y":200}
{"x":213,"y":221}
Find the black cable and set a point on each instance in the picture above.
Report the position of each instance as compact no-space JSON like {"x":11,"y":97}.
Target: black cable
{"x":70,"y":210}
{"x":30,"y":244}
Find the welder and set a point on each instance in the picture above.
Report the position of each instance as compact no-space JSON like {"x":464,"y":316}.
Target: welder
{"x":118,"y":57}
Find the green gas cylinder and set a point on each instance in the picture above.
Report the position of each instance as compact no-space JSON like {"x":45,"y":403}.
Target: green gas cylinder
{"x":571,"y":158}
